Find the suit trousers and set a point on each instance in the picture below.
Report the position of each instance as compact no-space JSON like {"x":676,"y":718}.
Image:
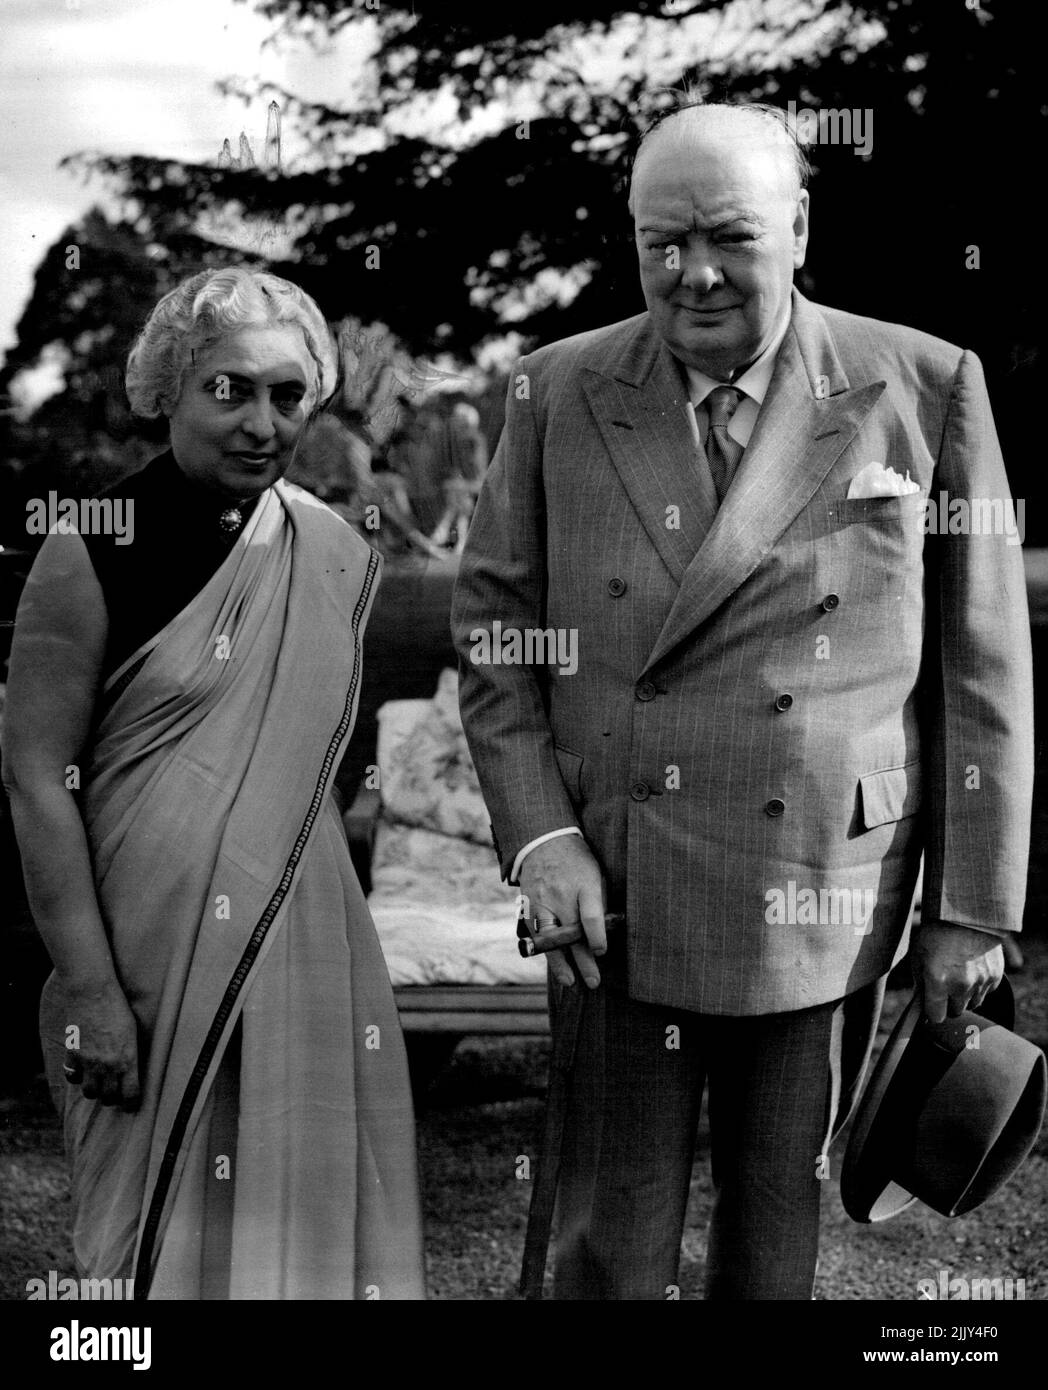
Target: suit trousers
{"x":780,"y":1086}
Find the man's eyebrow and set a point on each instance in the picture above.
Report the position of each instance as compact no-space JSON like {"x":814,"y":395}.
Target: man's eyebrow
{"x":679,"y":228}
{"x":753,"y":219}
{"x":746,"y":216}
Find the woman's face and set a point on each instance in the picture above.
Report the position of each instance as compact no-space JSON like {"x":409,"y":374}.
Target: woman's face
{"x":244,"y":402}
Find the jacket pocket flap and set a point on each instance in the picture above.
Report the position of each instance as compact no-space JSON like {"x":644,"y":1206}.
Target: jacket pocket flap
{"x":569,"y":764}
{"x":891,"y":794}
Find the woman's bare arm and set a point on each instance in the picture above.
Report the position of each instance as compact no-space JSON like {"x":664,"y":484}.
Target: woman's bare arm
{"x":55,"y":668}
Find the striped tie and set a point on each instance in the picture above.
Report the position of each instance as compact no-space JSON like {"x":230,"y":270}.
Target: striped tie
{"x":722,"y":452}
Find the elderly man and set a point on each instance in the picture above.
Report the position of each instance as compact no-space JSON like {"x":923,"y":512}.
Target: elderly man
{"x":789,"y":684}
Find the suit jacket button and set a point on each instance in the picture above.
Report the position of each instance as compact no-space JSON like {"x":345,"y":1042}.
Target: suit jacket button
{"x":645,"y":691}
{"x":616,"y":587}
{"x":775,"y":807}
{"x":784,"y":702}
{"x":830,"y":602}
{"x":640,"y":791}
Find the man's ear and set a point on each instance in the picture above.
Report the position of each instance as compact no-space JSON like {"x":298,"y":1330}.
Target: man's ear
{"x":800,"y":229}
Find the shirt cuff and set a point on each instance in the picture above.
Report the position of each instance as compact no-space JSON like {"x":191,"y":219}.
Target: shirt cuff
{"x":999,"y":932}
{"x":514,"y":877}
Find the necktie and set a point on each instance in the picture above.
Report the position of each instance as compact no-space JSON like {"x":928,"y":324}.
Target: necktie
{"x":722,"y":452}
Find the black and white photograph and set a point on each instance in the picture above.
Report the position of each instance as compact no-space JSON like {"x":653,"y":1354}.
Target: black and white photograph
{"x":523,"y":671}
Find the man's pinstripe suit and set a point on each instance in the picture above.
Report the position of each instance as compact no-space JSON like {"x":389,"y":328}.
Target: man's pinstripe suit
{"x":701,"y":790}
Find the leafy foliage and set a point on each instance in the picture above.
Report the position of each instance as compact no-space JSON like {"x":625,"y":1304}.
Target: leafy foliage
{"x":456,"y":236}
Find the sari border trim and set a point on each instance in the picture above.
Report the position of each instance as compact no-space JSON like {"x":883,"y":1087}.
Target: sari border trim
{"x":143,"y":1274}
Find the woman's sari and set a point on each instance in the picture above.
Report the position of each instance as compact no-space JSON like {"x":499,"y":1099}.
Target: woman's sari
{"x":273,"y":1153}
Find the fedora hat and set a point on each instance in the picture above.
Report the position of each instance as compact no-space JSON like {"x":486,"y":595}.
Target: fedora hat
{"x":951,"y":1111}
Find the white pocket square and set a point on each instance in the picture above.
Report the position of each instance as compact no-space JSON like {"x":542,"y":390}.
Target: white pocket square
{"x":877,"y":481}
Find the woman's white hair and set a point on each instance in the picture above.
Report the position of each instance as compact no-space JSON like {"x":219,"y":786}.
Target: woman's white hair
{"x":204,"y":309}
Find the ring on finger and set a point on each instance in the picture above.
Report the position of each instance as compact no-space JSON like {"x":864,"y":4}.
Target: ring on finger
{"x":544,"y":918}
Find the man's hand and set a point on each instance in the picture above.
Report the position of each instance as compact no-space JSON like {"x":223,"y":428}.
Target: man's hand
{"x":563,"y":877}
{"x":956,"y":967}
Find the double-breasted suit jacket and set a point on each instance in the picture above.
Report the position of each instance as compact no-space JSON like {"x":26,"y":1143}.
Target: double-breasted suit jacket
{"x":779,"y":702}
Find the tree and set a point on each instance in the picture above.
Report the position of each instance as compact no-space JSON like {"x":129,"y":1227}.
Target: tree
{"x":455,"y":238}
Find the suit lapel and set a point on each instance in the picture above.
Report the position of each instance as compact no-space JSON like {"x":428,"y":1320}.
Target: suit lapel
{"x":642,"y":410}
{"x":807,"y":420}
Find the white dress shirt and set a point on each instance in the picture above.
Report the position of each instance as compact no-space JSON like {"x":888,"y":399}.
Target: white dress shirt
{"x":753,"y":383}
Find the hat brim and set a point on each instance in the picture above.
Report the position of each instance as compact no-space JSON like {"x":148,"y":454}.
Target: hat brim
{"x":868,"y":1192}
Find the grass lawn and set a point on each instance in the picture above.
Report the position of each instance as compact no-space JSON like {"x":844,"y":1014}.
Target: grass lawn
{"x":485,"y":1109}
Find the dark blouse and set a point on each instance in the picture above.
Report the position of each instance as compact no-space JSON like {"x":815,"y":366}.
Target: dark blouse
{"x":176,"y":546}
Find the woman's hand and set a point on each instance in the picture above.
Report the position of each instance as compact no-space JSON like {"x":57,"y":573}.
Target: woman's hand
{"x":105,"y":1062}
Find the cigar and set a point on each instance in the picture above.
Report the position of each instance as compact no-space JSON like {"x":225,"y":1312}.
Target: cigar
{"x":541,"y":933}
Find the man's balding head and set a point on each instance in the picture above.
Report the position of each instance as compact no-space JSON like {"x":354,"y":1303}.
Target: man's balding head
{"x":757,"y":127}
{"x":721,"y":224}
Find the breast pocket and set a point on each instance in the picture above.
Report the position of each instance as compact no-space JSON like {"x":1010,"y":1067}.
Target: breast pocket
{"x":871,"y":553}
{"x":880,"y":511}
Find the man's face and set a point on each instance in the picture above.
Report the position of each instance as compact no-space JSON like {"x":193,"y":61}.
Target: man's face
{"x":243,"y":405}
{"x":719,"y":232}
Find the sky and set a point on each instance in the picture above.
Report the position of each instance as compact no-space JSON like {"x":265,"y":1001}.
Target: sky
{"x":121,"y":77}
{"x":141,"y":77}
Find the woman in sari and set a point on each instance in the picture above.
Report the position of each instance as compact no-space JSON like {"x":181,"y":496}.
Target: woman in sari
{"x":219,"y":1029}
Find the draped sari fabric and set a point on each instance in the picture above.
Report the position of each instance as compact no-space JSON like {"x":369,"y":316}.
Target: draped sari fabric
{"x":273,"y":1154}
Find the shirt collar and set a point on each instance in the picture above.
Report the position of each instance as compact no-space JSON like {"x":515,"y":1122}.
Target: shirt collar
{"x":754,"y":381}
